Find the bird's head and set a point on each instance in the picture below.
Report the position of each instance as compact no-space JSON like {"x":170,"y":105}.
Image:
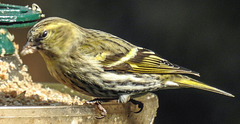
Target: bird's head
{"x":51,"y":35}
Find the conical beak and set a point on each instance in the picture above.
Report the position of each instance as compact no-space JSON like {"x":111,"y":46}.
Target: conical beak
{"x":29,"y":48}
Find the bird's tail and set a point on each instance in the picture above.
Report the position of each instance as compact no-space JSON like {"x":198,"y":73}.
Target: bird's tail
{"x":187,"y":82}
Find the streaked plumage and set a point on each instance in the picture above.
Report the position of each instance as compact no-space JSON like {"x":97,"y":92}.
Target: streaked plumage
{"x":102,"y":65}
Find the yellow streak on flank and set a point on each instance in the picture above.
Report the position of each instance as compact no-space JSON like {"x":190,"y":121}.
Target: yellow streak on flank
{"x":131,"y":54}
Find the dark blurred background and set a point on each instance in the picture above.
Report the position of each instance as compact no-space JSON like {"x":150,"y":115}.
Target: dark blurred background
{"x":202,"y":35}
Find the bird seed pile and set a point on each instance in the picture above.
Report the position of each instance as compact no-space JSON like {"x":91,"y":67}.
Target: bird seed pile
{"x":18,"y":89}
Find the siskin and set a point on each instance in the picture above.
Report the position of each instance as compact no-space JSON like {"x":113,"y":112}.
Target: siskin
{"x":102,"y":65}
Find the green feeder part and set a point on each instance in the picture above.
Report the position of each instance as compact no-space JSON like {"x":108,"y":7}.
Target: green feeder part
{"x":6,"y":45}
{"x":14,"y":16}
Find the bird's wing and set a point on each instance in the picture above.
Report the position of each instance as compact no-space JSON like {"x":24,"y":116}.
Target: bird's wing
{"x":140,"y":60}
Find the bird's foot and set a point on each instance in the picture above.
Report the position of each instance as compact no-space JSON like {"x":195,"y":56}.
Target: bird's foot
{"x":102,"y":110}
{"x":98,"y":103}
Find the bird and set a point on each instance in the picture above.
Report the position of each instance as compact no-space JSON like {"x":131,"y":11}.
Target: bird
{"x":103,"y":65}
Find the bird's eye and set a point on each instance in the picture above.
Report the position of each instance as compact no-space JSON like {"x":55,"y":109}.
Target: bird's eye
{"x":44,"y":34}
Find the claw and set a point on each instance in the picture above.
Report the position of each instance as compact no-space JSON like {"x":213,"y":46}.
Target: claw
{"x":140,"y":105}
